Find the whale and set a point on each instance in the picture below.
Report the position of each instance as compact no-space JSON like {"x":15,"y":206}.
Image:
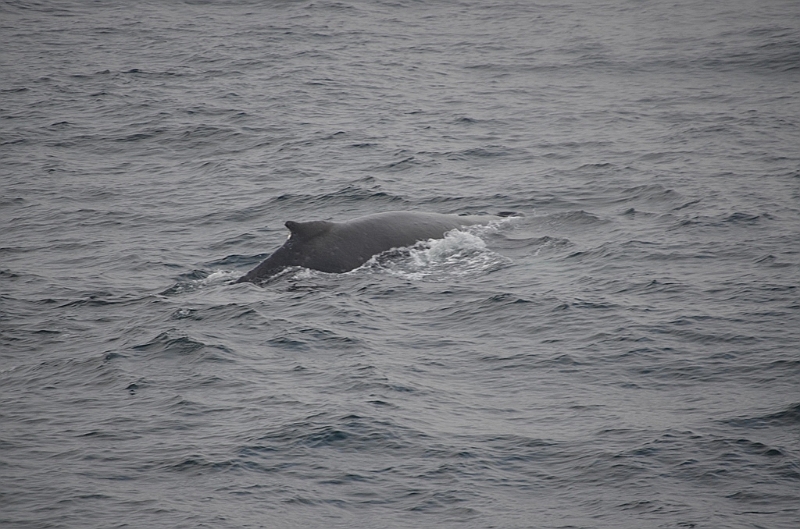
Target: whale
{"x":338,"y":247}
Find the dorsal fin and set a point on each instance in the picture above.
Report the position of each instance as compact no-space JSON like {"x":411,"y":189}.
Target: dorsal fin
{"x":306,"y":230}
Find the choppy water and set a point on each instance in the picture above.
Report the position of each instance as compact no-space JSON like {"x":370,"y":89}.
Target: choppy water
{"x":625,"y":355}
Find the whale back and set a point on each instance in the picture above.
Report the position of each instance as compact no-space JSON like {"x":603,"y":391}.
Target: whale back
{"x":338,"y":247}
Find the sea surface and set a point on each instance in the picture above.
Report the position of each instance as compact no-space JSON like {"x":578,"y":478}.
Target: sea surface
{"x":624,"y":354}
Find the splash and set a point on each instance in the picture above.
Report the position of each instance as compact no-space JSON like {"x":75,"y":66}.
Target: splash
{"x":199,"y":279}
{"x":458,"y":254}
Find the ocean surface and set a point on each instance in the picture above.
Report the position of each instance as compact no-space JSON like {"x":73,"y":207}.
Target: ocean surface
{"x":626,"y":354}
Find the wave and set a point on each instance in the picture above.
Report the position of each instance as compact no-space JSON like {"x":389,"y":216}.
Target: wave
{"x":177,"y":343}
{"x":787,"y":417}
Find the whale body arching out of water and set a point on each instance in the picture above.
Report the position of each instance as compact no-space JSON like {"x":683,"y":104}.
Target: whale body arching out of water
{"x":339,"y":247}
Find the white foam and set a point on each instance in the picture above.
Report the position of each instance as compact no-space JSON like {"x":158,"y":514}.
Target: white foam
{"x":219,"y":276}
{"x":459,"y":253}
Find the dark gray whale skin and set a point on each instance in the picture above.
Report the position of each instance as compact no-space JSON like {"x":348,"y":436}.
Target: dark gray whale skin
{"x":343,"y":246}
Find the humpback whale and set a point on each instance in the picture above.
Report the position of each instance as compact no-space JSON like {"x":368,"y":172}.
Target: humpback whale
{"x":339,"y":247}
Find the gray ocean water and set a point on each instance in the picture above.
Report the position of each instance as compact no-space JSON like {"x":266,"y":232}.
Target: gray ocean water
{"x":627,"y":354}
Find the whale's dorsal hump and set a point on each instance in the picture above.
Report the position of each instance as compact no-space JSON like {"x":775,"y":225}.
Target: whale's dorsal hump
{"x":306,"y":230}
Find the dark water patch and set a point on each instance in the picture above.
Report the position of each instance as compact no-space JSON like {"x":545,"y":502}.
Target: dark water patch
{"x":346,"y":196}
{"x":734,"y":220}
{"x":604,"y":166}
{"x":327,"y":337}
{"x":510,"y":453}
{"x":500,"y":361}
{"x":164,"y":342}
{"x":133,"y":387}
{"x":14,"y":90}
{"x":366,"y":380}
{"x":199,"y":465}
{"x":593,"y":305}
{"x":440,"y":504}
{"x":571,"y":219}
{"x":488,"y":151}
{"x":747,"y":218}
{"x":289,"y":342}
{"x":645,"y":507}
{"x":305,"y":337}
{"x":179,"y":407}
{"x":230,"y":312}
{"x":506,"y":298}
{"x":203,"y":132}
{"x":148,"y":134}
{"x":705,"y":254}
{"x":779,"y":55}
{"x":98,"y":299}
{"x":772,"y":261}
{"x":719,"y":367}
{"x":87,"y":371}
{"x":8,"y":274}
{"x":689,"y":331}
{"x":701,"y":459}
{"x":652,"y":193}
{"x":173,"y":344}
{"x":602,"y":253}
{"x":789,"y":416}
{"x":497,"y":308}
{"x":403,"y":163}
{"x":352,"y":437}
{"x":236,"y":261}
{"x":633,"y":213}
{"x":347,"y":433}
{"x":18,"y":141}
{"x":688,"y":204}
{"x":500,"y":204}
{"x":560,"y":362}
{"x":651,"y":286}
